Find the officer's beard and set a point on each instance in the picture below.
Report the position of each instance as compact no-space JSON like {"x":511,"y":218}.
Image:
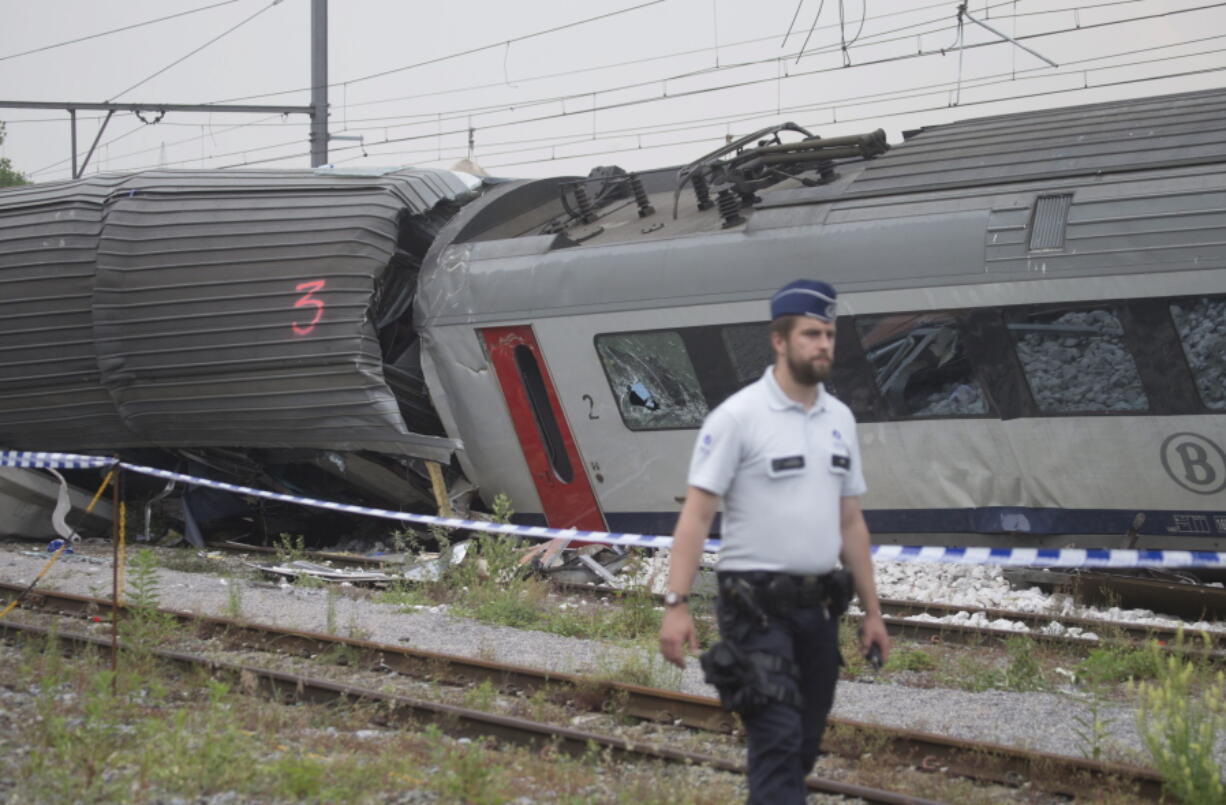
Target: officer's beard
{"x":807,"y":373}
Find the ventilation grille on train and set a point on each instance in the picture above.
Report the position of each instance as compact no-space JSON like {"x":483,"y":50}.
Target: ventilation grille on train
{"x":1050,"y":219}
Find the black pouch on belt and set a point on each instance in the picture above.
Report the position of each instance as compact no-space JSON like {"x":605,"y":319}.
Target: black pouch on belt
{"x":840,"y":587}
{"x":741,"y":679}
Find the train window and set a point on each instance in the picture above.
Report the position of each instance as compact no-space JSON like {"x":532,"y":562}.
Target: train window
{"x":1075,"y":361}
{"x":1202,"y":330}
{"x":749,"y":347}
{"x":653,"y":380}
{"x":542,"y":411}
{"x":920,"y":365}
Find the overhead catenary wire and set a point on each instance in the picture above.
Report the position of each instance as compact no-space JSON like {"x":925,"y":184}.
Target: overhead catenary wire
{"x":1075,"y":68}
{"x":792,"y":24}
{"x":917,"y":110}
{"x":464,"y":113}
{"x":499,"y":44}
{"x":436,"y":117}
{"x":433,"y":117}
{"x":939,"y":88}
{"x":116,"y":30}
{"x":872,"y":117}
{"x":191,"y":53}
{"x":674,"y":95}
{"x":584,"y":70}
{"x":816,"y":17}
{"x":502,"y":43}
{"x":450,"y":91}
{"x":157,"y":147}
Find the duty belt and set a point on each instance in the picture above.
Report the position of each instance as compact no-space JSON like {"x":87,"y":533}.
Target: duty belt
{"x":781,"y":593}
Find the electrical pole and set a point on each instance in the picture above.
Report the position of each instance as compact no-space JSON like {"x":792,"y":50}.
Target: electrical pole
{"x":319,"y":83}
{"x":318,"y":110}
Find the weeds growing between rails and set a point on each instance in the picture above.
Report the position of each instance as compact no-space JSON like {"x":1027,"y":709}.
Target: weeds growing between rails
{"x":1182,"y":719}
{"x":491,"y":585}
{"x":75,"y":732}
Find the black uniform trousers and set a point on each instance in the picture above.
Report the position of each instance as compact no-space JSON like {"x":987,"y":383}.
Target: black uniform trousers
{"x":784,"y":739}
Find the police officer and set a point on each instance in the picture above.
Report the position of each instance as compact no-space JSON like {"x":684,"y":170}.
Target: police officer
{"x":782,"y":455}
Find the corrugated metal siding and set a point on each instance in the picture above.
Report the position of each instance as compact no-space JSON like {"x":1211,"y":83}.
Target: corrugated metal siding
{"x":1122,"y":135}
{"x":166,"y":315}
{"x":1154,"y":221}
{"x":49,"y":381}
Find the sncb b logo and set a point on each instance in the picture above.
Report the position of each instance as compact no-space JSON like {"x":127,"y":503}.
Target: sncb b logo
{"x":1194,"y":462}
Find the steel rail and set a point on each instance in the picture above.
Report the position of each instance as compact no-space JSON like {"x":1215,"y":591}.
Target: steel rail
{"x":975,"y":760}
{"x":399,"y":710}
{"x":1184,"y":600}
{"x":1190,"y":600}
{"x":896,"y":612}
{"x":1136,"y":631}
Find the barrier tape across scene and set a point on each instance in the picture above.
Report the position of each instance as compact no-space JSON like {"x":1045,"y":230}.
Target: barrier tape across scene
{"x":1013,"y":557}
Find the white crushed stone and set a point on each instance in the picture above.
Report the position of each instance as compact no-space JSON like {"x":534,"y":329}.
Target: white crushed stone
{"x":976,"y":587}
{"x":985,"y":587}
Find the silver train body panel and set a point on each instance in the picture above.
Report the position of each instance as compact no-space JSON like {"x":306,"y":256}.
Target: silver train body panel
{"x":1039,"y":221}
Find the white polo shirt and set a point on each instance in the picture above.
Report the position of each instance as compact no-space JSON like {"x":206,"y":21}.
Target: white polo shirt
{"x":781,"y":471}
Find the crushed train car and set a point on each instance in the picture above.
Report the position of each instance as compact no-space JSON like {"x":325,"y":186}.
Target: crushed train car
{"x":252,"y":324}
{"x":1031,"y":329}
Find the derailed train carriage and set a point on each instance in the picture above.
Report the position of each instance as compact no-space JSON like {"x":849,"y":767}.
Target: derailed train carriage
{"x":1032,"y":327}
{"x":252,"y":325}
{"x":1032,"y":324}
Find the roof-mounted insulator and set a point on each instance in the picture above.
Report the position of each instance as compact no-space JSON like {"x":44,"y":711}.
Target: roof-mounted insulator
{"x":730,"y":208}
{"x":586,"y":213}
{"x":702,"y":191}
{"x":640,"y":196}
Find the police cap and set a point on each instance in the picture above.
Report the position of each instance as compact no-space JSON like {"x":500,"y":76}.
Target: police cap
{"x":805,"y":298}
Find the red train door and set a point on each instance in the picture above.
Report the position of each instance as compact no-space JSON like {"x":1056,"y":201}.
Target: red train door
{"x":549,"y":449}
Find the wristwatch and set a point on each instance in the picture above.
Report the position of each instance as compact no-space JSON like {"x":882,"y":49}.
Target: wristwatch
{"x":672,"y":599}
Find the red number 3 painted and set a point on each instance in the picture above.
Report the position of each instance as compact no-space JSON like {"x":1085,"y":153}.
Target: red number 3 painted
{"x":309,"y":301}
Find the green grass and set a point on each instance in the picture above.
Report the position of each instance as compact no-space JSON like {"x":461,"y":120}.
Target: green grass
{"x":406,"y":596}
{"x":1181,"y":723}
{"x":1023,"y":672}
{"x":904,"y":658}
{"x":188,"y":561}
{"x":92,"y":737}
{"x":1115,"y":663}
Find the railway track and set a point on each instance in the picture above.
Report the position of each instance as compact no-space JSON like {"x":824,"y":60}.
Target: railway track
{"x":898,"y":613}
{"x":974,"y":760}
{"x":398,"y":710}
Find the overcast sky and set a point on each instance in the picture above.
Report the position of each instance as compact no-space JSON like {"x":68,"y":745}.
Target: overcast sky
{"x":651,"y":71}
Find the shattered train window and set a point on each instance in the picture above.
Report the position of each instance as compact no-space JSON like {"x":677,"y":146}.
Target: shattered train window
{"x":1076,"y":361}
{"x":1202,"y":331}
{"x":749,"y":347}
{"x":653,"y":380}
{"x":920,"y":365}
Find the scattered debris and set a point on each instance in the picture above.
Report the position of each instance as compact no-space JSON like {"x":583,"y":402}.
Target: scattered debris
{"x":301,"y":568}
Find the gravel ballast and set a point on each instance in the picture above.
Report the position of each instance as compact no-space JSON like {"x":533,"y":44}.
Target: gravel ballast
{"x":1041,"y":721}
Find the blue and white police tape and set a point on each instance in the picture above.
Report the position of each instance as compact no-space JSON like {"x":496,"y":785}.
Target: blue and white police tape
{"x":1012,"y":557}
{"x":65,"y":461}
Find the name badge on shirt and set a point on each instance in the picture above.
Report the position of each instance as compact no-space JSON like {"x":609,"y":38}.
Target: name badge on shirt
{"x":840,"y":463}
{"x":787,"y":465}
